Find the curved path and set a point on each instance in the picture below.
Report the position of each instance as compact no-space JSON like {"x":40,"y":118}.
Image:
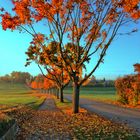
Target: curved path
{"x":131,"y":117}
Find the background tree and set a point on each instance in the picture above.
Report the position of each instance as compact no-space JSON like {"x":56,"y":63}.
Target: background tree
{"x":5,"y":78}
{"x":90,"y":24}
{"x":20,"y":77}
{"x":17,"y":77}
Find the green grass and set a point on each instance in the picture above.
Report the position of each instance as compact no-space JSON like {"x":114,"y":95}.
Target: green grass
{"x":38,"y":102}
{"x":61,"y":105}
{"x":96,"y":93}
{"x":15,"y":94}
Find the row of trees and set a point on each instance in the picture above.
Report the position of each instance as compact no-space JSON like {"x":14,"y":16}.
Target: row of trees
{"x":17,"y":77}
{"x":77,"y":31}
{"x":128,"y":88}
{"x":46,"y":86}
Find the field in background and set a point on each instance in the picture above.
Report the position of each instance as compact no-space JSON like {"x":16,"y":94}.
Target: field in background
{"x":17,"y":94}
{"x":96,"y":93}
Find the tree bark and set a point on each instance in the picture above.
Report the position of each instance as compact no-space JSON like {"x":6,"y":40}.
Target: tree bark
{"x":75,"y":98}
{"x":57,"y":93}
{"x":61,"y":94}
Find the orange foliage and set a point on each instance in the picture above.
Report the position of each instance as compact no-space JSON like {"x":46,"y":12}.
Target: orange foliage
{"x":27,"y":10}
{"x":128,"y":89}
{"x":48,"y":83}
{"x":131,"y":7}
{"x":22,"y":10}
{"x":9,"y":22}
{"x":69,"y":111}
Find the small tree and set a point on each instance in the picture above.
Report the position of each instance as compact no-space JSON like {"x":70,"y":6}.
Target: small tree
{"x":60,"y":79}
{"x":48,"y":57}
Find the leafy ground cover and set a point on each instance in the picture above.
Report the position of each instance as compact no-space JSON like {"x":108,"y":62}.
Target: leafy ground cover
{"x":62,"y":124}
{"x":12,"y":96}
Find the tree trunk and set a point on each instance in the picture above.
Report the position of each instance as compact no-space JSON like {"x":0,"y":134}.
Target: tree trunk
{"x":75,"y":100}
{"x":61,"y":94}
{"x":57,"y":93}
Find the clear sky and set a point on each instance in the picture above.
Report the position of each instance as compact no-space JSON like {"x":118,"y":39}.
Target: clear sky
{"x":121,"y":55}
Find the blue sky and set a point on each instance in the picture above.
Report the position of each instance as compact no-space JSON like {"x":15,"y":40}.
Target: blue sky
{"x":121,"y":55}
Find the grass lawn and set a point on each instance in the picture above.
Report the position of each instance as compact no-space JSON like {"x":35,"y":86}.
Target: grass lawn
{"x":15,"y":94}
{"x":96,"y":93}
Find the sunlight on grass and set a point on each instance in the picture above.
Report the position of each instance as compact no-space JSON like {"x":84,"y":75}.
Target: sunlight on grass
{"x":65,"y":104}
{"x":96,"y":93}
{"x":18,"y":94}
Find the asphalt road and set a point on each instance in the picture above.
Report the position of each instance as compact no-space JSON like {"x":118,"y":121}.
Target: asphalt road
{"x":131,"y":117}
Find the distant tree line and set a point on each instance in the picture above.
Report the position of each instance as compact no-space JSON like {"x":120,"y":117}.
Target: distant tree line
{"x":25,"y":77}
{"x":17,"y":77}
{"x":99,"y":82}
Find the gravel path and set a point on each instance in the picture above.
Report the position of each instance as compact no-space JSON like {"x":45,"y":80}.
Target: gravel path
{"x":131,"y":117}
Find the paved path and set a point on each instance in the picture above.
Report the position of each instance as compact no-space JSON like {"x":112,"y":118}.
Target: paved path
{"x":112,"y":112}
{"x":48,"y":104}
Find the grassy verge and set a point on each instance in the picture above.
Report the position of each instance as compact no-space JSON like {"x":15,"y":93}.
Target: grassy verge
{"x":67,"y":104}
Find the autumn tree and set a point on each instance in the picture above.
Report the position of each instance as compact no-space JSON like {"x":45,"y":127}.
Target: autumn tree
{"x":38,"y":81}
{"x":49,"y":85}
{"x":60,"y":79}
{"x":48,"y":57}
{"x":90,"y":24}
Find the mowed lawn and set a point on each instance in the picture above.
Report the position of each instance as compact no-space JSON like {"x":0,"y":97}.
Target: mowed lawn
{"x":15,"y":94}
{"x":96,"y":93}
